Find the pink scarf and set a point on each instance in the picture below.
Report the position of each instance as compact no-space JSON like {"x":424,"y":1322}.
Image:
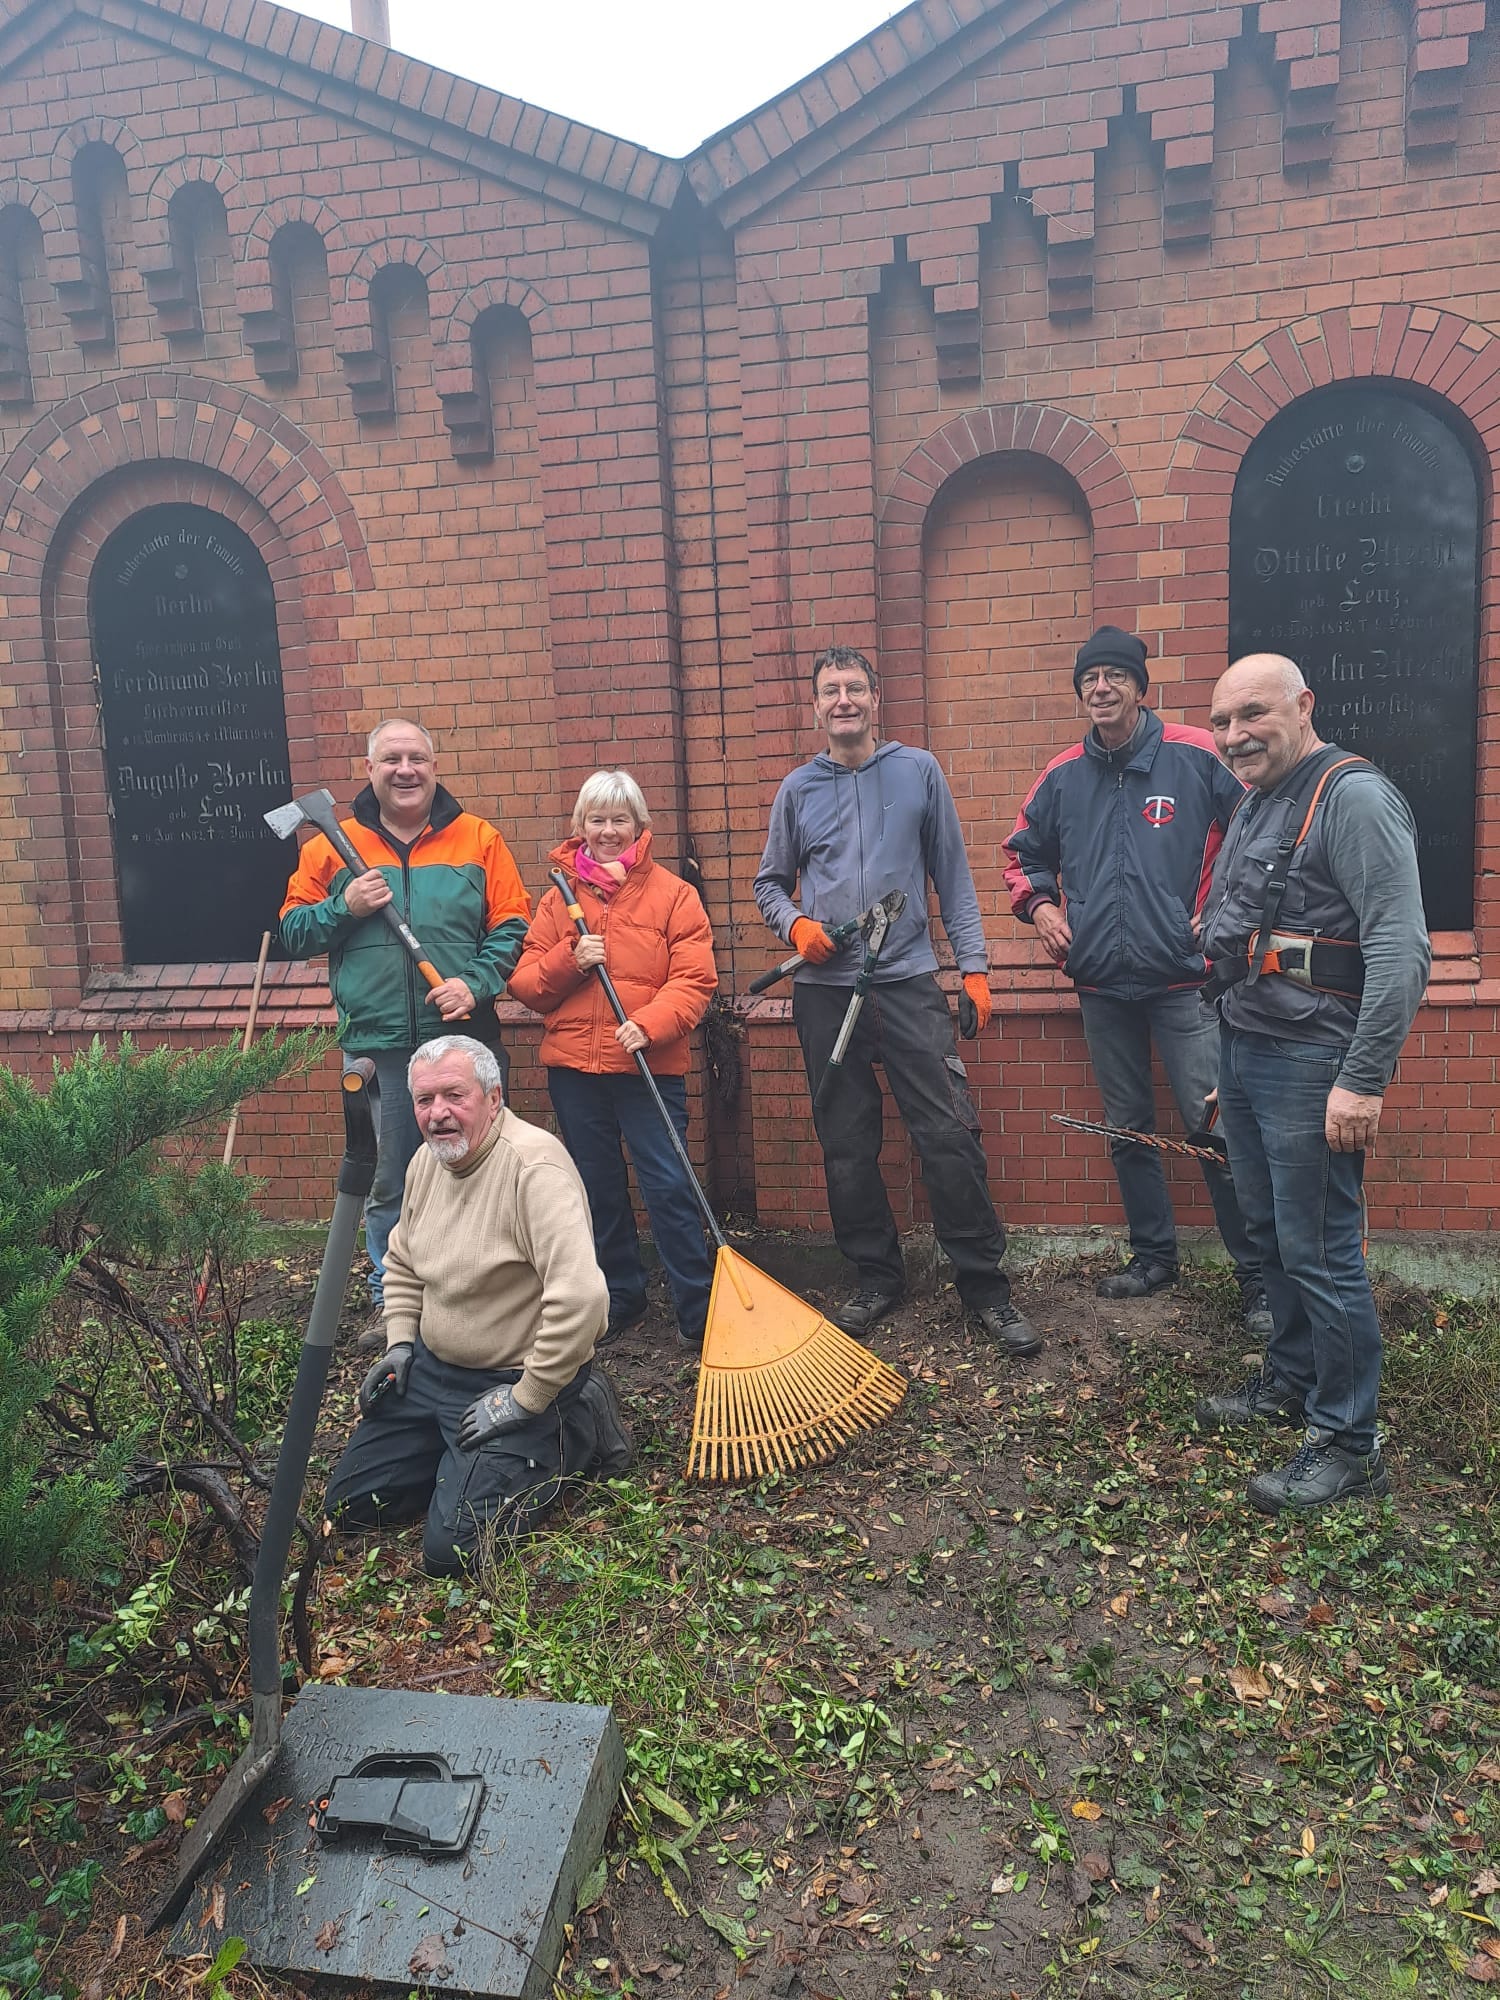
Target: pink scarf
{"x":605,"y":877}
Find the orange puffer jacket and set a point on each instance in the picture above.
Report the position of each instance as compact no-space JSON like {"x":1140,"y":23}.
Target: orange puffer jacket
{"x":658,"y":950}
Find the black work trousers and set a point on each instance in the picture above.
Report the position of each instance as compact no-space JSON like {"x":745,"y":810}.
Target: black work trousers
{"x":403,"y":1461}
{"x":906,"y":1026}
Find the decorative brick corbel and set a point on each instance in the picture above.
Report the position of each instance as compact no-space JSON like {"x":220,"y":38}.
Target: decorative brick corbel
{"x":947,"y":261}
{"x":1437,"y":57}
{"x":1306,"y":38}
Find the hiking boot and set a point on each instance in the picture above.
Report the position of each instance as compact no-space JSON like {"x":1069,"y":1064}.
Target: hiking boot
{"x":1255,"y":1312}
{"x":371,"y":1336}
{"x":621,"y":1319}
{"x":1323,"y":1474}
{"x":1011,"y":1333}
{"x":867,"y":1308}
{"x":1258,"y":1400}
{"x":691,"y":1338}
{"x":614,"y":1447}
{"x":1139,"y":1279}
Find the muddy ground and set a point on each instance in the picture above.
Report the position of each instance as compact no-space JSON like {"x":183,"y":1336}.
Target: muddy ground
{"x":1027,"y":1700}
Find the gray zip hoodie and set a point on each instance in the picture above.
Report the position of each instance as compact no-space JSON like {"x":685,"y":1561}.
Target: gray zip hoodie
{"x":854,"y":836}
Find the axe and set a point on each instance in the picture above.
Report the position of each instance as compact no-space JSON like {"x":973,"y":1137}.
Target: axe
{"x":317,"y":809}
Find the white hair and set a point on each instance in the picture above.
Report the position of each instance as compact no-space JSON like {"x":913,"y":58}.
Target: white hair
{"x":485,"y":1063}
{"x":397,"y":722}
{"x":1292,"y":681}
{"x":608,"y":791}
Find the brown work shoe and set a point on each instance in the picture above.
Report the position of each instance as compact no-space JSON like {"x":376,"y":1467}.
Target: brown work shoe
{"x":371,"y":1336}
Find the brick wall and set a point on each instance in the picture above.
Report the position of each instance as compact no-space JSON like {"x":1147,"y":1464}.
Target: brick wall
{"x":951,"y":352}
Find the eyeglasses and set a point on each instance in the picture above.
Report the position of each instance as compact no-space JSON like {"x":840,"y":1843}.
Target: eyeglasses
{"x":1112,"y":677}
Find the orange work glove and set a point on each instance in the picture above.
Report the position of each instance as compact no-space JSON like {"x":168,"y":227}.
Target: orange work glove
{"x":977,"y":986}
{"x":814,"y":943}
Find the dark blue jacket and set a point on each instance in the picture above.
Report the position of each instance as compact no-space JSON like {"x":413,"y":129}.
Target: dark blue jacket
{"x":1128,"y":838}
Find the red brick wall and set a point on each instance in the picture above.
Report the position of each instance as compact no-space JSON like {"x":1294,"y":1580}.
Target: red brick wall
{"x":951,"y":352}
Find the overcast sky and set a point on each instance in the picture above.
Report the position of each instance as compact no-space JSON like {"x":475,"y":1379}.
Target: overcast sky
{"x":665,"y":73}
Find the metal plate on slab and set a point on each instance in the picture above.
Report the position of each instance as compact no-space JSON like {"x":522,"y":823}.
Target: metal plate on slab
{"x":488,"y":1921}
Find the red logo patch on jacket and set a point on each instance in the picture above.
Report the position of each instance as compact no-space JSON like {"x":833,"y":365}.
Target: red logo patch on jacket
{"x":1159,"y":810}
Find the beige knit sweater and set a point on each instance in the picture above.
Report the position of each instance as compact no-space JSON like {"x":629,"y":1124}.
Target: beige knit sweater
{"x":493,"y":1261}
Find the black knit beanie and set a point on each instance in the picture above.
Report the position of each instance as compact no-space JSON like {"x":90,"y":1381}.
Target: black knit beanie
{"x":1110,"y":647}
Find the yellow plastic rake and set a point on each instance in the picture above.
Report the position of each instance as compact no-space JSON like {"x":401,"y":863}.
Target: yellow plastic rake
{"x":778,"y":1386}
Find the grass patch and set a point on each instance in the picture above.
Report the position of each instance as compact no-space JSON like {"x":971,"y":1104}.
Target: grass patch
{"x":1442,"y":1382}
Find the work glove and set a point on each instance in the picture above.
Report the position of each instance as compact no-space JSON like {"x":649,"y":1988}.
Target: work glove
{"x":389,"y":1373}
{"x":490,"y":1416}
{"x":814,"y":943}
{"x":974,"y":1006}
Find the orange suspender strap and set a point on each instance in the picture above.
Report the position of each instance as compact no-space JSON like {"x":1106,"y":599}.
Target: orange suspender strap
{"x":1312,"y":804}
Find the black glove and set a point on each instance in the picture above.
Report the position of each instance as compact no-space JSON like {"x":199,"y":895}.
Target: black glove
{"x":968,"y":1016}
{"x":390,"y":1372}
{"x":490,"y":1416}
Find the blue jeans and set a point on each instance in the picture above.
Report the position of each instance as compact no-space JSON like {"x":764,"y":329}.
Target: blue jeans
{"x":594,"y":1113}
{"x":398,"y":1142}
{"x":1120,"y":1034}
{"x":1303,"y":1206}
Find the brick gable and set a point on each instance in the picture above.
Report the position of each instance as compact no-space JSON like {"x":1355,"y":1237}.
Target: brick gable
{"x":950,"y":350}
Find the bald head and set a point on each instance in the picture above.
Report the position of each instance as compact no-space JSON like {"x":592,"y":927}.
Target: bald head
{"x":1261,"y":718}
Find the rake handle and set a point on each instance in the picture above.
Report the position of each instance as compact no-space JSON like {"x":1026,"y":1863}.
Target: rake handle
{"x":580,"y":923}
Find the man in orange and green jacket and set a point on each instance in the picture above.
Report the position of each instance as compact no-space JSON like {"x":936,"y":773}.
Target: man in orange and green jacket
{"x":451,"y":876}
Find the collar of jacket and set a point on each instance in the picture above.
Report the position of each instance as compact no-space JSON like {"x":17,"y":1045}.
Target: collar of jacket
{"x":824,"y":762}
{"x":564,"y":856}
{"x":445,"y":810}
{"x":1137,"y":752}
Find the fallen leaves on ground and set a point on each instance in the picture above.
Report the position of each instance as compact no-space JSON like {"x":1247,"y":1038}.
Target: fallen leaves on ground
{"x":1249,"y":1684}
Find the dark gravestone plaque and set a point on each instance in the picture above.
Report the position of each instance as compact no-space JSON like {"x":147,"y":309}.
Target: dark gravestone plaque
{"x":487,"y":1921}
{"x":184,"y":621}
{"x":1354,"y":549}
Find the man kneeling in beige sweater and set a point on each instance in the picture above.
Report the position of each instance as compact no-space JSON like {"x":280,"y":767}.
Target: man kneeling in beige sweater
{"x":487,"y":1398}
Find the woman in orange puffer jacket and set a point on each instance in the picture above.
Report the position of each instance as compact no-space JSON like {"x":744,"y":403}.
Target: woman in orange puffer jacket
{"x":649,"y":930}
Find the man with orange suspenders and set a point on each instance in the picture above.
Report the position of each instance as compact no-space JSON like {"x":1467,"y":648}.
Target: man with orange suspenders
{"x":1320,"y":956}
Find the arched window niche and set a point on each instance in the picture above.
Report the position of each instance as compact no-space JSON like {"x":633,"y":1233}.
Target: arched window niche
{"x":183,"y":616}
{"x":1354,"y":538}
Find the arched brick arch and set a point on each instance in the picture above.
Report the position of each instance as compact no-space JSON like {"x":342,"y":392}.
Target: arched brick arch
{"x":68,"y":269}
{"x":1449,"y":357}
{"x":457,"y":375}
{"x":76,"y":475}
{"x":154,"y":239}
{"x":38,"y":203}
{"x":254,"y":286}
{"x":1069,"y":442}
{"x":98,"y":132}
{"x":351,"y":311}
{"x":452,"y":349}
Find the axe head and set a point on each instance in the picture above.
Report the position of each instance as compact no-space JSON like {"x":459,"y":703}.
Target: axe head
{"x":315,"y":809}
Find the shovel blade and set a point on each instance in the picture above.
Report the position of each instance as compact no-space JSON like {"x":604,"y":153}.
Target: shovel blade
{"x":209,"y":1829}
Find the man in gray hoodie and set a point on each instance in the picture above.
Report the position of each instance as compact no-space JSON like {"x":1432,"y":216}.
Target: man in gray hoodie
{"x":861,"y":819}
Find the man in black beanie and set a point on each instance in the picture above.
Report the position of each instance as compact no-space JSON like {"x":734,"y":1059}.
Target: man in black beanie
{"x":1110,"y":859}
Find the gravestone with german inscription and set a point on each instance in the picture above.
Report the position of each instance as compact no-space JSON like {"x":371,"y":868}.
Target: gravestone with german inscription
{"x":195,"y":744}
{"x":488,"y":1918}
{"x":1354,"y":550}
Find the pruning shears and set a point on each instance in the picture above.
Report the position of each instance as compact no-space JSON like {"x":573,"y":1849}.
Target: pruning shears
{"x":877,"y":926}
{"x":884,"y":912}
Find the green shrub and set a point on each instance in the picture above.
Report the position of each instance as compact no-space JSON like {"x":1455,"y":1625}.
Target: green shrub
{"x":105,"y":1219}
